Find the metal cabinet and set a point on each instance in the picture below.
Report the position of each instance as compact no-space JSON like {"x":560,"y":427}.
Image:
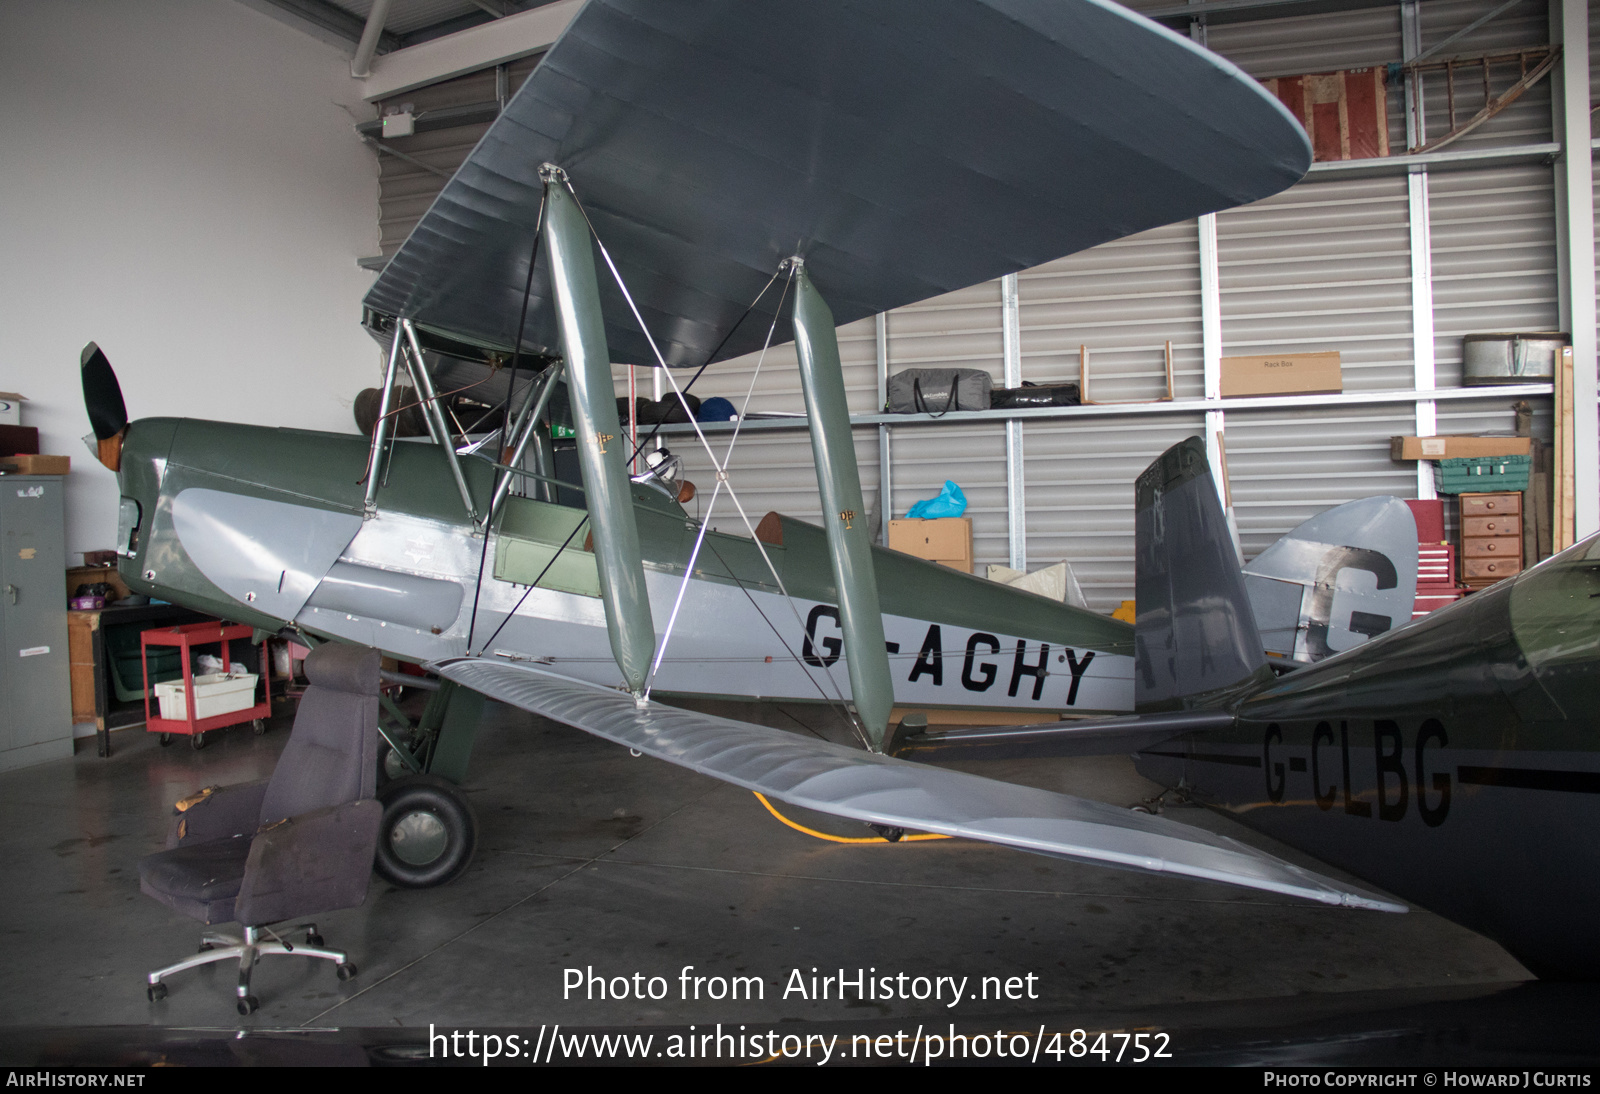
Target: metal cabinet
{"x":35,"y":688}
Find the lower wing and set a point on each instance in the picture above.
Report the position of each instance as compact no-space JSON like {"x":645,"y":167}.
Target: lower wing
{"x":883,"y":790}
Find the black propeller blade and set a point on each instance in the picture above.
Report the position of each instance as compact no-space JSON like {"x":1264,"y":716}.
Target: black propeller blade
{"x":102,"y":395}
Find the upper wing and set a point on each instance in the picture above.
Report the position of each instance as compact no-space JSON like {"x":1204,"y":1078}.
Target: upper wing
{"x":905,"y":148}
{"x":882,"y":790}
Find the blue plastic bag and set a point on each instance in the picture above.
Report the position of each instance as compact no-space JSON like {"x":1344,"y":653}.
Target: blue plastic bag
{"x":951,"y":502}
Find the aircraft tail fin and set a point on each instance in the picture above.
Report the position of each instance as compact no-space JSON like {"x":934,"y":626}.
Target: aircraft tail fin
{"x":1195,"y":635}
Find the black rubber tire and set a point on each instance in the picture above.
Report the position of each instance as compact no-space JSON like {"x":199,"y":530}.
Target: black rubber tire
{"x":249,"y":1005}
{"x":345,"y":971}
{"x":258,"y":726}
{"x":155,"y":992}
{"x":197,"y":741}
{"x":166,"y":739}
{"x":414,"y":795}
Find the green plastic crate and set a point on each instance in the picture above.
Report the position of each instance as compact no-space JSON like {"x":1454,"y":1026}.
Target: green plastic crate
{"x":1482,"y":474}
{"x":127,"y":672}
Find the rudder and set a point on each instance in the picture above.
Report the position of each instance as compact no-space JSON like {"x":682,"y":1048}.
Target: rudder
{"x":1195,"y":635}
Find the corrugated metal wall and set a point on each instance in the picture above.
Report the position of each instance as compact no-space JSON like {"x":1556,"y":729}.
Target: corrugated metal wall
{"x":1325,"y":265}
{"x":405,"y":188}
{"x":1494,"y":257}
{"x":1322,"y":266}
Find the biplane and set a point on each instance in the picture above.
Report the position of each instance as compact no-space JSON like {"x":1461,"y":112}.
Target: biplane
{"x":673,"y":186}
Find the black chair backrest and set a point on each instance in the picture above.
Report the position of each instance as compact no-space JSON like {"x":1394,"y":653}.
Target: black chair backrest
{"x":332,"y":754}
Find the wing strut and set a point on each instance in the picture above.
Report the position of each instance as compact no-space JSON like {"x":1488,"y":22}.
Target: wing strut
{"x":601,"y":450}
{"x":843,"y":513}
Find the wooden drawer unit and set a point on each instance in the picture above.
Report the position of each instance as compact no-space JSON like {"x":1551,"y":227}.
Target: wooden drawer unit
{"x":1486,"y":571}
{"x":1491,"y":526}
{"x":1491,"y":546}
{"x":1489,"y":505}
{"x":1491,"y":537}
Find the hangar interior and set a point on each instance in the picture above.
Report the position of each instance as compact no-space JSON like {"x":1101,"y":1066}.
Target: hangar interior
{"x":210,"y":203}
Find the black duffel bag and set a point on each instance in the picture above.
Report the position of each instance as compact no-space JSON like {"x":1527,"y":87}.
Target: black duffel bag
{"x":652,"y":412}
{"x":1014,"y":398}
{"x":938,"y":391}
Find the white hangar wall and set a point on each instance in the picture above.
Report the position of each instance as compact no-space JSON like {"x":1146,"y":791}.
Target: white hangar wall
{"x":1389,"y":269}
{"x":183,"y":186}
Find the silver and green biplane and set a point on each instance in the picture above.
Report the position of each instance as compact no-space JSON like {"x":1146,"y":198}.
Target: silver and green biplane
{"x":675,"y":185}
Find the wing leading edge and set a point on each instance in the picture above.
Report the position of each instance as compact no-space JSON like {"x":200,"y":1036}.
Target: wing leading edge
{"x":882,"y":790}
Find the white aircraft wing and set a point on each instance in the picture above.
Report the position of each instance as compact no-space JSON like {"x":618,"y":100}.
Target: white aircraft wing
{"x":878,"y":789}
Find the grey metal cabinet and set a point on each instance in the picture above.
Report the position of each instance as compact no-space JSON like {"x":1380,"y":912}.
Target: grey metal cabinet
{"x":35,"y":688}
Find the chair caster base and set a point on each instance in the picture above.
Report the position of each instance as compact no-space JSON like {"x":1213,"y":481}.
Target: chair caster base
{"x":345,"y":971}
{"x":155,"y":992}
{"x":248,"y":1005}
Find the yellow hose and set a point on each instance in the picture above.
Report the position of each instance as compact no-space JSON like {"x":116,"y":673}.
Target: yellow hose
{"x":840,"y":839}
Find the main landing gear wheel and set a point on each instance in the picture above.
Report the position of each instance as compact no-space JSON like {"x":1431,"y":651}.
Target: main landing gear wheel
{"x":428,"y":832}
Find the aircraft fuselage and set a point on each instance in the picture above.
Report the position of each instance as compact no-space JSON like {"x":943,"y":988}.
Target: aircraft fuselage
{"x":1455,"y":762}
{"x":266,"y":526}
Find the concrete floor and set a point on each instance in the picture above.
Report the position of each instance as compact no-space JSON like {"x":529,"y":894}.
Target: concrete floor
{"x":589,"y":857}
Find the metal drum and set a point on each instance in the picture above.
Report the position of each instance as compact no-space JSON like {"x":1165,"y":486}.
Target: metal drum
{"x":1510,"y":358}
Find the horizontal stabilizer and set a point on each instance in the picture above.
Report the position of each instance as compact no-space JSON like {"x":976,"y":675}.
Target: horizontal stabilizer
{"x":1081,"y":737}
{"x":882,"y":790}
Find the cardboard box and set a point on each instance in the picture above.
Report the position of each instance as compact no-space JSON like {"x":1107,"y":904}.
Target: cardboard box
{"x":947,"y":540}
{"x":11,"y":408}
{"x":35,"y":465}
{"x":1282,"y":374}
{"x":1457,"y":448}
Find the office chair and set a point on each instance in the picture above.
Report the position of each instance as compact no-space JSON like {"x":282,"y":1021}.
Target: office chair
{"x":300,"y":843}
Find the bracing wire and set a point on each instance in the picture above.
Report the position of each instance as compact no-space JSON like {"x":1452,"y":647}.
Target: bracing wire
{"x":719,"y":465}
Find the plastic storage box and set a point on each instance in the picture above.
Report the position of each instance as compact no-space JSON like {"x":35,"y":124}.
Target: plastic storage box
{"x":1482,"y":474}
{"x":215,"y":693}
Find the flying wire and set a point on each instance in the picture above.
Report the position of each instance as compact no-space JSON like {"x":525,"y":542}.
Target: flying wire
{"x":720,"y":466}
{"x":844,"y":707}
{"x":488,"y":641}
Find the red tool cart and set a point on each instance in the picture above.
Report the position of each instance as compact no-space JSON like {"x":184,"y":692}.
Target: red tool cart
{"x":187,"y":637}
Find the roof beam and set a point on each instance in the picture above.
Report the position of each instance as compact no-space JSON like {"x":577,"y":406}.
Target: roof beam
{"x":470,"y":50}
{"x":320,"y":19}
